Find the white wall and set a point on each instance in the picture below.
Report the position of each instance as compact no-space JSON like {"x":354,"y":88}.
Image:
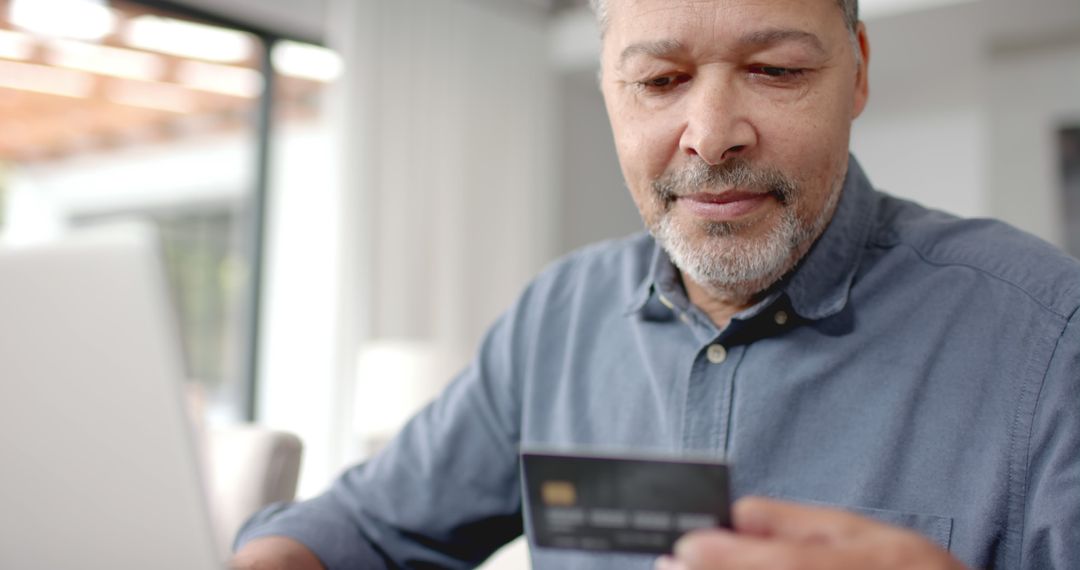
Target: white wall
{"x":923,"y":133}
{"x":593,"y":202}
{"x":965,"y":102}
{"x":1034,"y":90}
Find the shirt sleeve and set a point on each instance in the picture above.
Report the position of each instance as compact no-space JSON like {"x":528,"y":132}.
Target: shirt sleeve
{"x":1051,"y":535}
{"x":445,"y":492}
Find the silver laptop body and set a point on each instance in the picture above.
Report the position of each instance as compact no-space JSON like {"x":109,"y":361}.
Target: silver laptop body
{"x":98,"y":467}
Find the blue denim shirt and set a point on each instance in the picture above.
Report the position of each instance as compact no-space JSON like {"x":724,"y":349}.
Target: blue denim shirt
{"x":914,"y":368}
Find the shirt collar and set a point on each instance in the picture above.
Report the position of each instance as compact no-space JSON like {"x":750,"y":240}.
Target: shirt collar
{"x":820,"y":284}
{"x":653,"y":298}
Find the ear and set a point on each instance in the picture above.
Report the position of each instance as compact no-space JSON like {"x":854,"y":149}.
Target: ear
{"x":862,"y":74}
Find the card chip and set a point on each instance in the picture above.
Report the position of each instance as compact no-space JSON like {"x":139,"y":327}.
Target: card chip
{"x":558,"y":493}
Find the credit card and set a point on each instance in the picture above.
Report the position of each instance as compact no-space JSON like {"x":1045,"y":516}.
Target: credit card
{"x":615,"y":503}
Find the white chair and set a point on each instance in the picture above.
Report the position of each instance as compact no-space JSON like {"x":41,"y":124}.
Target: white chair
{"x":248,"y":468}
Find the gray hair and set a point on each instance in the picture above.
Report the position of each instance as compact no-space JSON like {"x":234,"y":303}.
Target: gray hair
{"x":850,"y":8}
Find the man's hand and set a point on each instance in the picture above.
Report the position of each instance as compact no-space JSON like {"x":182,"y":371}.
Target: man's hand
{"x":771,"y":535}
{"x":275,"y":553}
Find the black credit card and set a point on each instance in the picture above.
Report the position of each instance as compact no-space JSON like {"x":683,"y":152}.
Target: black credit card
{"x":607,"y":502}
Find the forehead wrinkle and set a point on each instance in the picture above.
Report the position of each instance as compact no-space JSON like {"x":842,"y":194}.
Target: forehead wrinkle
{"x":655,"y":48}
{"x":757,"y":39}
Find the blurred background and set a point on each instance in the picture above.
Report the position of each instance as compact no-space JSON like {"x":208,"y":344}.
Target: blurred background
{"x":350,"y":191}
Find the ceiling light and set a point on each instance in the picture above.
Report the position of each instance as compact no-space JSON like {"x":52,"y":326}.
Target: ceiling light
{"x":224,"y":79}
{"x":306,"y":61}
{"x":45,"y":79}
{"x":116,"y":62}
{"x":16,"y":45}
{"x":81,"y":19}
{"x":156,"y":96}
{"x":188,"y":39}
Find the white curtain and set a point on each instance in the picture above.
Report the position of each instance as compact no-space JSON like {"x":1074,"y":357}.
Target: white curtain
{"x":452,"y":99}
{"x":442,"y":207}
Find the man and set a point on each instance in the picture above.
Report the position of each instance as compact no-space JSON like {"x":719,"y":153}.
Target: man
{"x":902,"y":385}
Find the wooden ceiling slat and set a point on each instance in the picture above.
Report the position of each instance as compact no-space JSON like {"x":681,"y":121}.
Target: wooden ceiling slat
{"x":36,"y":126}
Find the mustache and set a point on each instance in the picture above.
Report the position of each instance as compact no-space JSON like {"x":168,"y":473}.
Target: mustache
{"x":735,"y":173}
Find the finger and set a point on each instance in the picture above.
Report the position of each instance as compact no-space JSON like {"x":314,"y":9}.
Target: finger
{"x":771,"y":518}
{"x":708,"y":550}
{"x":667,"y":563}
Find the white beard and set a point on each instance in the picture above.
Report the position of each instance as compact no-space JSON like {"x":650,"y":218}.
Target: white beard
{"x":730,"y":265}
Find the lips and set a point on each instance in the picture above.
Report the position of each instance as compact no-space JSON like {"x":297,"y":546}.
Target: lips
{"x":723,"y":197}
{"x":726,"y":206}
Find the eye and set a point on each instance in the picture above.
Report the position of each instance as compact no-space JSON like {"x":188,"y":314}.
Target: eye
{"x":663,"y":82}
{"x":776,"y":72}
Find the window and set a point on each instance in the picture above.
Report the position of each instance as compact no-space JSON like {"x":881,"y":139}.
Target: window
{"x":123,"y":108}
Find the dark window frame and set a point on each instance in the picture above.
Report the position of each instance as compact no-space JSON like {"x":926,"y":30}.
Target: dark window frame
{"x":257,"y":211}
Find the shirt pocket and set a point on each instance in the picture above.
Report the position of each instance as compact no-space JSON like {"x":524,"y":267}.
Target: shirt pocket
{"x":934,"y":527}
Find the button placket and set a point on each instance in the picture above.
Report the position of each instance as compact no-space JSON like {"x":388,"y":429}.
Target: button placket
{"x":709,"y":398}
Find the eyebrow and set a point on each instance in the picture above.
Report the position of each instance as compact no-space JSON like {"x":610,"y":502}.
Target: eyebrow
{"x":757,"y":40}
{"x":770,"y":37}
{"x":656,"y":48}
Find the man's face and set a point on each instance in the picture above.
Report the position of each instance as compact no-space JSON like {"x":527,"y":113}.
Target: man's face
{"x":732,"y":120}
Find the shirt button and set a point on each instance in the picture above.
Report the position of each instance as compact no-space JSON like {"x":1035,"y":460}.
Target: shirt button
{"x":685,"y":318}
{"x":716,"y":353}
{"x":781,"y":318}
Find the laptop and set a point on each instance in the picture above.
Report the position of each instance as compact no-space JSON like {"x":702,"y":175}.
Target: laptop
{"x":98,"y":465}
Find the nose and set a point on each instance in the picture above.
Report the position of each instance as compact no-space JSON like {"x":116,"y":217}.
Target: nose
{"x":717,"y":127}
